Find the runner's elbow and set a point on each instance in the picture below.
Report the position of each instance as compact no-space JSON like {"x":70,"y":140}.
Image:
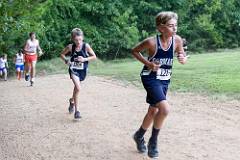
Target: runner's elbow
{"x":94,"y":57}
{"x":134,"y":52}
{"x":62,"y":56}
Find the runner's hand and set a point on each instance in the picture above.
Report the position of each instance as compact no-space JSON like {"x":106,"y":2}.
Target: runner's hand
{"x":81,"y":59}
{"x":67,"y":62}
{"x":40,"y":54}
{"x":154,"y":67}
{"x":181,"y":58}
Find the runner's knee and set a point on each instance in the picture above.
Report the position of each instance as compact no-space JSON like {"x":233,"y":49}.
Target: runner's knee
{"x":152,"y":111}
{"x":77,"y":89}
{"x":164,"y":108}
{"x":164,"y":111}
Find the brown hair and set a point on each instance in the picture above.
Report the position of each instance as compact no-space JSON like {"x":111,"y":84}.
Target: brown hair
{"x":31,"y":33}
{"x":163,"y":17}
{"x":76,"y":32}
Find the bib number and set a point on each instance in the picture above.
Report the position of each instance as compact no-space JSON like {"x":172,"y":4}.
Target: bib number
{"x":164,"y":74}
{"x":77,"y":65}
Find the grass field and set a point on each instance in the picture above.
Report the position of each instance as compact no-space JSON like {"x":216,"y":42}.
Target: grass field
{"x":212,"y":73}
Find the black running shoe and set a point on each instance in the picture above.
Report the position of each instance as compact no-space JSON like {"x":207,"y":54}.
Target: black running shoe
{"x":152,"y":150}
{"x":71,"y":107}
{"x":31,"y":83}
{"x":77,"y":115}
{"x":141,"y":147}
{"x":27,"y":77}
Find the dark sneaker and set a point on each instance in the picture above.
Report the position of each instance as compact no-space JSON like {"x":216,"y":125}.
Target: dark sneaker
{"x":141,"y":147}
{"x":31,"y":83}
{"x":152,"y":149}
{"x":71,"y":107}
{"x":27,"y":77}
{"x":77,"y":115}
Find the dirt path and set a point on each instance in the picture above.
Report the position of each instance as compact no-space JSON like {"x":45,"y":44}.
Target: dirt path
{"x":35,"y":124}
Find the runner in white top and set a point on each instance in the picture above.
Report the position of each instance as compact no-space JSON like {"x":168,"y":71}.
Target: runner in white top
{"x":30,"y":49}
{"x":19,"y":64}
{"x":3,"y":66}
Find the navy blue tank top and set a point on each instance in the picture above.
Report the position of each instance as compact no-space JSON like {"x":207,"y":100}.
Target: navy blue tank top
{"x":75,"y":64}
{"x":162,"y":57}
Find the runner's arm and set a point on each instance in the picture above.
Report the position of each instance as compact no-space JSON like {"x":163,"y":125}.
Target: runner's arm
{"x":136,"y":52}
{"x":65,"y":51}
{"x":181,"y":55}
{"x":6,"y":63}
{"x":14,"y":59}
{"x":39,"y":49}
{"x":91,"y":53}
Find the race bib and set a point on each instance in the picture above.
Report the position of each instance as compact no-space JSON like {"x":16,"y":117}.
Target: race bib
{"x":77,"y":65}
{"x":164,"y":74}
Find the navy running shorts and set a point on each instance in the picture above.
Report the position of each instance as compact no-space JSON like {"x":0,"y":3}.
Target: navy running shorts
{"x":81,"y":74}
{"x":156,"y":90}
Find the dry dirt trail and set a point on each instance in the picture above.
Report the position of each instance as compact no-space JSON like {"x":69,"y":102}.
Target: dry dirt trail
{"x":35,"y":124}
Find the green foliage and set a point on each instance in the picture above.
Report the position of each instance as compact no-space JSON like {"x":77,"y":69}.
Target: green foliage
{"x":209,"y":24}
{"x":108,"y":27}
{"x":112,"y":28}
{"x":16,"y":21}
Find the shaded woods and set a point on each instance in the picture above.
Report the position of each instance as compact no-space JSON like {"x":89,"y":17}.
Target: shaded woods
{"x":113,"y":27}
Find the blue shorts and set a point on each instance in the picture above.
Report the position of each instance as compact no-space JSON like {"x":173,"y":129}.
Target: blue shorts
{"x":2,"y":69}
{"x":19,"y":66}
{"x":81,"y":74}
{"x":156,"y":90}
